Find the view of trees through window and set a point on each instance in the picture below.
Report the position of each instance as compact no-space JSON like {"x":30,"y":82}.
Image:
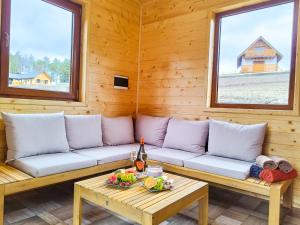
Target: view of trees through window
{"x":40,"y":46}
{"x":254,"y":55}
{"x":18,"y":64}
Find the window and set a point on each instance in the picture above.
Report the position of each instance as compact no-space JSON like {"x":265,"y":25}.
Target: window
{"x":40,"y":49}
{"x":260,"y":50}
{"x":254,"y":56}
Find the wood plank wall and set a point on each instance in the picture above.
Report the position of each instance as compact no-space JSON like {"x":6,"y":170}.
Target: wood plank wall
{"x":174,"y":70}
{"x":113,"y":49}
{"x":174,"y":74}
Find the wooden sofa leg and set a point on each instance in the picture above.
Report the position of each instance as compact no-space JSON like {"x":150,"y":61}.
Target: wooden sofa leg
{"x":274,"y":206}
{"x":1,"y":204}
{"x":288,"y":197}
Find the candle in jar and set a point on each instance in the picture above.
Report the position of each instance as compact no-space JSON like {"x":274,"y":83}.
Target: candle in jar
{"x":154,"y":171}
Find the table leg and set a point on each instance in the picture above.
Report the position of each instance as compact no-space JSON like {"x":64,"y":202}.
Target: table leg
{"x":77,"y":210}
{"x":147,"y":219}
{"x":203,"y":211}
{"x":1,"y":204}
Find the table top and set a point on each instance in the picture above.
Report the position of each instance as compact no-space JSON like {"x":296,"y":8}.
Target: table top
{"x":138,"y":197}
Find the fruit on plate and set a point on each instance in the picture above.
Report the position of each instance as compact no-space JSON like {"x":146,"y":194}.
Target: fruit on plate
{"x":122,"y":178}
{"x":150,"y":182}
{"x":113,"y":179}
{"x":159,"y":183}
{"x":131,"y":170}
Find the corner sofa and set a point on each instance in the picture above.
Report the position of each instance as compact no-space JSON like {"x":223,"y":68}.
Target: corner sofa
{"x":52,"y":148}
{"x":46,"y":144}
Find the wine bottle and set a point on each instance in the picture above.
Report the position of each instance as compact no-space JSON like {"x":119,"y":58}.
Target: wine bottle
{"x":139,"y":163}
{"x":144,"y":154}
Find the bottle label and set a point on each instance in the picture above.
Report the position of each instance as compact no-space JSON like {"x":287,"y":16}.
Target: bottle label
{"x":140,"y":165}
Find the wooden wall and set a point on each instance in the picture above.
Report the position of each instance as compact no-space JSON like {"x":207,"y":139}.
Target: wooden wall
{"x":174,"y":72}
{"x":175,"y":68}
{"x":111,"y":47}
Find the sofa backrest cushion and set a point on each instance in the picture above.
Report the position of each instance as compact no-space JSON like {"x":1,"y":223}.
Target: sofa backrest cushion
{"x":117,"y":130}
{"x":34,"y":134}
{"x":84,"y":131}
{"x":187,"y":135}
{"x":243,"y":142}
{"x":153,"y":129}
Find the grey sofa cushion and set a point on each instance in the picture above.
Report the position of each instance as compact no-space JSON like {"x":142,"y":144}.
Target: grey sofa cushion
{"x":221,"y":166}
{"x":153,"y":129}
{"x":186,"y":135}
{"x":117,"y":130}
{"x":236,"y":141}
{"x":84,"y":131}
{"x":147,"y":147}
{"x":34,"y":134}
{"x":171,"y":156}
{"x":109,"y":154}
{"x":47,"y":164}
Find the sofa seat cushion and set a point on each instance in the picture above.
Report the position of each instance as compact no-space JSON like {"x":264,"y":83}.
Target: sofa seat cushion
{"x":147,"y":147}
{"x":47,"y":164}
{"x":109,"y":154}
{"x":221,"y":166}
{"x":172,"y":156}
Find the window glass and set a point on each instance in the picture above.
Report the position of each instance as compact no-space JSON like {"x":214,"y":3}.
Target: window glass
{"x":255,"y":56}
{"x":40,"y":46}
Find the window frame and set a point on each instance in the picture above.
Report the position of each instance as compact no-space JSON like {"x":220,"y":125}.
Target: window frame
{"x":216,"y":52}
{"x":6,"y":91}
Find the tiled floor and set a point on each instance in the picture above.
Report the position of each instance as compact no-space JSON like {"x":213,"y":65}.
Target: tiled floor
{"x":53,"y":205}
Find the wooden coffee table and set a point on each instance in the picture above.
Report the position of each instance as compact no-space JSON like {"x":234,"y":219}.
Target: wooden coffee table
{"x":140,"y":205}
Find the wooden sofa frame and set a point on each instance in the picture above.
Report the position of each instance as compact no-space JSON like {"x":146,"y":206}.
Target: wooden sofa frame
{"x":14,"y":181}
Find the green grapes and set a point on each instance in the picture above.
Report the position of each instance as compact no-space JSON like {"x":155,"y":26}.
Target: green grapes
{"x":127,"y":177}
{"x":160,"y":184}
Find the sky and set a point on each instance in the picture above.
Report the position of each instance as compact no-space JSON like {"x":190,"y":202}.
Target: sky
{"x":41,"y":30}
{"x":239,"y":31}
{"x":45,"y":30}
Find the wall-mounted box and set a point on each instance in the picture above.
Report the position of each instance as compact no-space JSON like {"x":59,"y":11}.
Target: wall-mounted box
{"x":120,"y":82}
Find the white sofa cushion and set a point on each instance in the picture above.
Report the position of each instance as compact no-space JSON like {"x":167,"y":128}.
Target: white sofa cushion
{"x":84,"y":131}
{"x":47,"y":164}
{"x":109,"y":154}
{"x":34,"y":134}
{"x":117,"y":130}
{"x":243,"y":142}
{"x":153,"y":129}
{"x":171,"y":156}
{"x":187,"y":135}
{"x":221,"y":166}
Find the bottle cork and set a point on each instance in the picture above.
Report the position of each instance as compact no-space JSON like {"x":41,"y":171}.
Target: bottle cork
{"x":142,"y":141}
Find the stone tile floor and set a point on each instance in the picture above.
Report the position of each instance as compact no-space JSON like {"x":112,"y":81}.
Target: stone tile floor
{"x":53,"y":205}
